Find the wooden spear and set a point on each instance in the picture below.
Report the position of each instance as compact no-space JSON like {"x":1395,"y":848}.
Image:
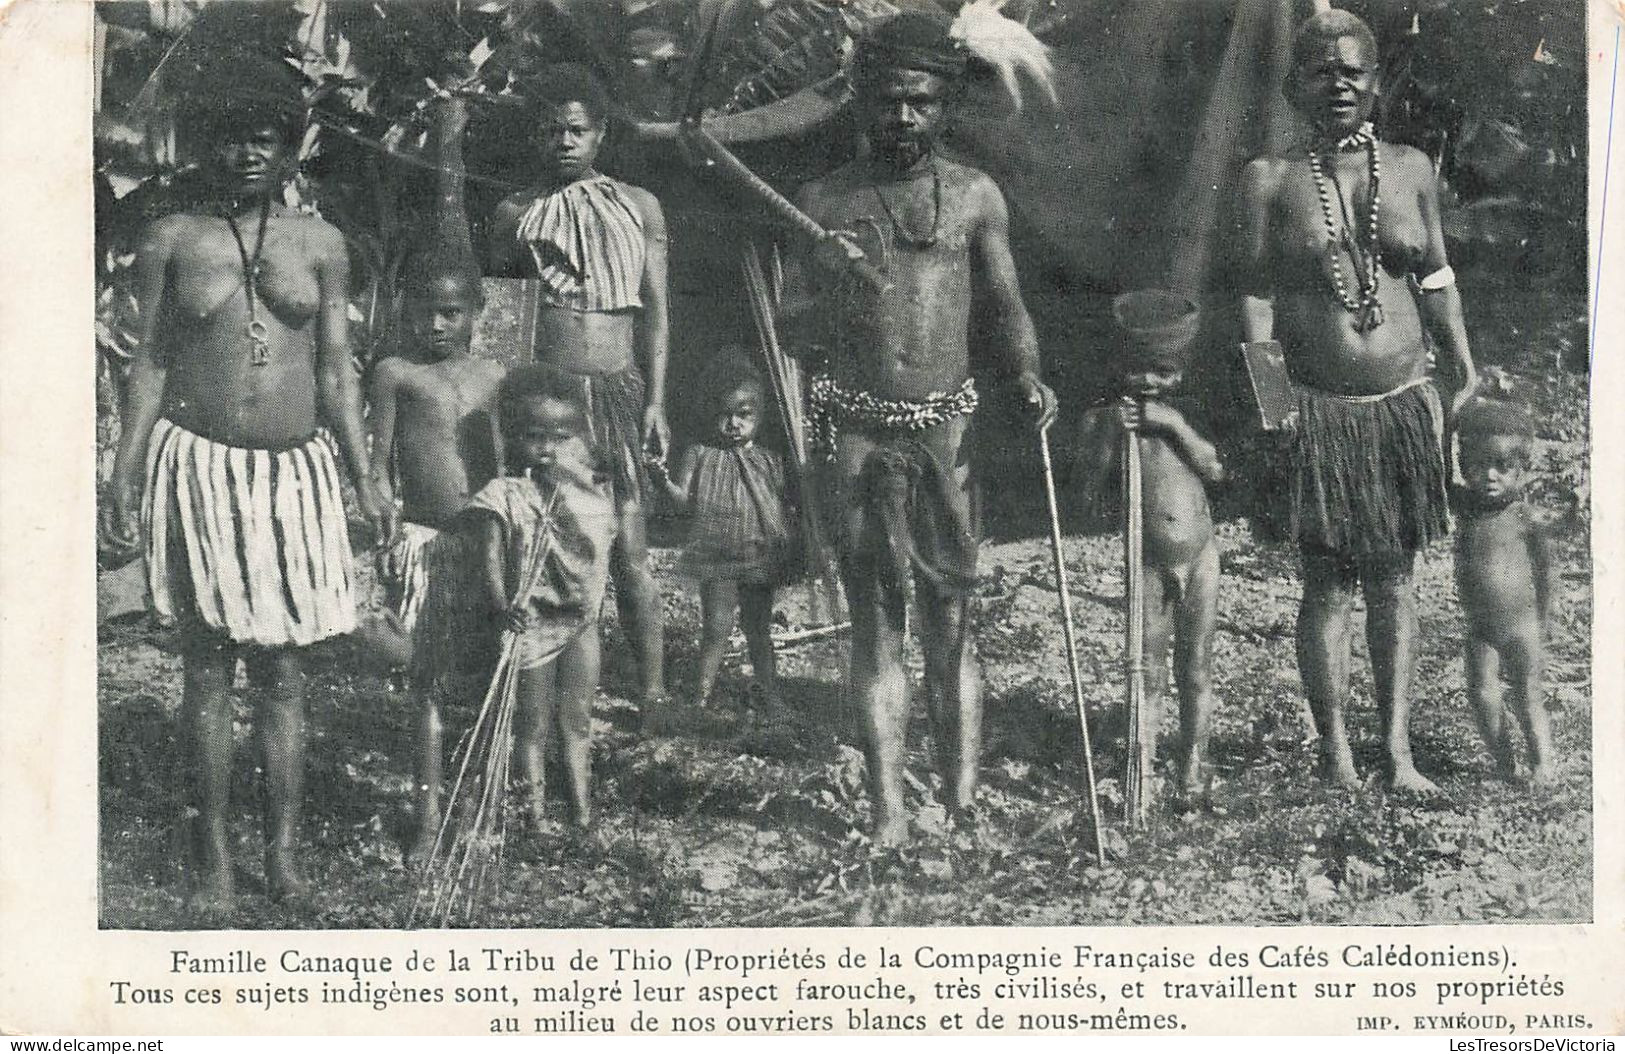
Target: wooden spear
{"x":1142,"y":737}
{"x":1071,"y":642}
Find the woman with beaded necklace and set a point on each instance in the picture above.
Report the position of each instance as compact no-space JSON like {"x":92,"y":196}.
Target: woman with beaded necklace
{"x":1343,"y":262}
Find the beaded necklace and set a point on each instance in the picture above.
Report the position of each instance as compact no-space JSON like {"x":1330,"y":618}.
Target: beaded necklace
{"x":904,"y":235}
{"x":1340,"y":238}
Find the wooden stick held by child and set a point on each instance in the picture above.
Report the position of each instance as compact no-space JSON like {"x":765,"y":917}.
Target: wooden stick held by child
{"x":1180,"y":569}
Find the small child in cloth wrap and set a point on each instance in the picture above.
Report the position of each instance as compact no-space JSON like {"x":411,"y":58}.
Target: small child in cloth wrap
{"x":544,"y":536}
{"x":568,"y":510}
{"x":742,"y":541}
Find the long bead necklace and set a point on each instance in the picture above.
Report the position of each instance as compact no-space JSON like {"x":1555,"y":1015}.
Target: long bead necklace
{"x":1339,"y":238}
{"x":259,"y":343}
{"x":903,"y":233}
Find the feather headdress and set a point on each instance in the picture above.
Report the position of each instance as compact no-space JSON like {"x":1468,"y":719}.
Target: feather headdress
{"x":980,"y":34}
{"x":1006,"y":46}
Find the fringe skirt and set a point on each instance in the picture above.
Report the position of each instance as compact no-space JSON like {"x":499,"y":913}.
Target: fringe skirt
{"x":251,"y":543}
{"x":1369,"y":471}
{"x":444,"y":608}
{"x":406,"y":571}
{"x":614,"y":404}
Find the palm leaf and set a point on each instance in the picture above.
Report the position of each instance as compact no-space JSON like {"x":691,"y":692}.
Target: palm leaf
{"x":793,"y":45}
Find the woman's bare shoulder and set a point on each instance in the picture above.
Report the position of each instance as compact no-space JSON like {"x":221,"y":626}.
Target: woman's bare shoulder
{"x":1406,"y":161}
{"x":318,"y":232}
{"x":644,"y":201}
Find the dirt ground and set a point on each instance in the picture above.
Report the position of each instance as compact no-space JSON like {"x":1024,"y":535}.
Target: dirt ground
{"x":732,"y":821}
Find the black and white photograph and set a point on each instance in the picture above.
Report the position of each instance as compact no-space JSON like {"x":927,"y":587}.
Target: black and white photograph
{"x":683,"y":464}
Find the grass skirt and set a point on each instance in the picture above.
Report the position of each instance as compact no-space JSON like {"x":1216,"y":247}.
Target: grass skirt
{"x":250,"y":543}
{"x":1369,"y":471}
{"x":614,"y":403}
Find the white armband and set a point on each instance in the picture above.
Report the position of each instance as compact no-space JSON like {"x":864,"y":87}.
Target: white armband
{"x":1443,"y":278}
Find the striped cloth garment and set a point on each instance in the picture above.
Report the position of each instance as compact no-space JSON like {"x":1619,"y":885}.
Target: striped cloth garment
{"x":406,"y":571}
{"x":587,"y":242}
{"x":252,"y":543}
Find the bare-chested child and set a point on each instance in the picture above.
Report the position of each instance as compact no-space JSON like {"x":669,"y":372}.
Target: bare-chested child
{"x":741,"y":536}
{"x":1505,"y":576}
{"x":555,"y":502}
{"x":1181,"y":574}
{"x":433,"y":419}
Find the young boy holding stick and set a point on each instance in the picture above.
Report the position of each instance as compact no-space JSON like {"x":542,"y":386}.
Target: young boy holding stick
{"x":544,"y":532}
{"x":1180,"y":573}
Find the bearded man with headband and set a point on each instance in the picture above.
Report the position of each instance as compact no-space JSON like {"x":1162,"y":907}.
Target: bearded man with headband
{"x":894,"y":397}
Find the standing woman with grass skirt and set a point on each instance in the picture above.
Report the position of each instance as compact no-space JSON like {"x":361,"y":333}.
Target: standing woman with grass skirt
{"x":240,"y":392}
{"x":1342,"y":260}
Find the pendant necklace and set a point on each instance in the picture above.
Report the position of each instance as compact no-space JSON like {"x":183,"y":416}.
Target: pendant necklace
{"x":903,"y":234}
{"x":1340,"y":238}
{"x":259,"y":344}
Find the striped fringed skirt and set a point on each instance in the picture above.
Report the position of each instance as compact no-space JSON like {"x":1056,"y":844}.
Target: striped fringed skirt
{"x":1370,"y":476}
{"x":249,"y":543}
{"x":406,"y":571}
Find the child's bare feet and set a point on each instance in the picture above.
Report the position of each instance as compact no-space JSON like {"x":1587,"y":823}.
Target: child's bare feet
{"x":283,"y":878}
{"x":1337,"y":766}
{"x":1406,"y":778}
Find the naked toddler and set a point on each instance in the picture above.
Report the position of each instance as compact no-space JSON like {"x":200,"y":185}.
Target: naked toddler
{"x":1505,"y":577}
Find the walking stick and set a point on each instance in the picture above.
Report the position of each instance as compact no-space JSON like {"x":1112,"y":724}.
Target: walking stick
{"x":1141,"y":737}
{"x":1071,"y":641}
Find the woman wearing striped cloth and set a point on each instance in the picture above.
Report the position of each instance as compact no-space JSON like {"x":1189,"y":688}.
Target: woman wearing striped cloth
{"x":597,"y":247}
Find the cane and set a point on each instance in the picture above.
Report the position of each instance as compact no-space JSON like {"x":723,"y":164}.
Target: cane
{"x":1141,"y":738}
{"x":1071,"y":640}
